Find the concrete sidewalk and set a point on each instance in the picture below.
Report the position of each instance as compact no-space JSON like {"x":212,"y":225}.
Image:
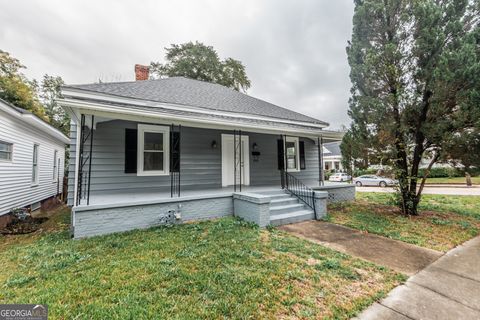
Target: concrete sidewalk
{"x":400,"y":256}
{"x":447,"y":289}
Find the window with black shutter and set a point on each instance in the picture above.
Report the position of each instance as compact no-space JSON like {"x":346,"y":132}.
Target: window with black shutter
{"x":280,"y":154}
{"x":131,"y":150}
{"x":301,"y":148}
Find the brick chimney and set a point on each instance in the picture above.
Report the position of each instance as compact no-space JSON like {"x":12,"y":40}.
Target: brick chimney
{"x":141,"y":72}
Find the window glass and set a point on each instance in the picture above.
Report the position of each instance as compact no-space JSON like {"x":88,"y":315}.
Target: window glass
{"x":55,"y":164}
{"x":153,"y":155}
{"x":153,"y":141}
{"x":35,"y":164}
{"x":153,"y":161}
{"x":5,"y":151}
{"x":291,"y":155}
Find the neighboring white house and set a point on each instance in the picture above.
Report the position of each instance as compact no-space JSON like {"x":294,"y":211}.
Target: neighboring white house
{"x":332,"y":156}
{"x":32,"y":156}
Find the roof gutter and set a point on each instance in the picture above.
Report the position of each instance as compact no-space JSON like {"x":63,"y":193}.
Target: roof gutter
{"x":84,"y":94}
{"x":118,"y":112}
{"x":35,"y":122}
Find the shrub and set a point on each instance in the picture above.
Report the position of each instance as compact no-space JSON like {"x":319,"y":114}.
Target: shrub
{"x":441,"y":173}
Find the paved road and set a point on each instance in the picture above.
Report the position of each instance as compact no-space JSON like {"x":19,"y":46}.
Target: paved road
{"x":447,"y":289}
{"x":441,"y":189}
{"x":400,"y":256}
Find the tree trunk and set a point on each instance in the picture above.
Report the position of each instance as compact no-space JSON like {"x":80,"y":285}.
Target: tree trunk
{"x":468,"y":178}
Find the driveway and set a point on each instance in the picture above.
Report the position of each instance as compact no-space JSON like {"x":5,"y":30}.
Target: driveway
{"x":447,"y":289}
{"x":437,"y":189}
{"x":400,"y":256}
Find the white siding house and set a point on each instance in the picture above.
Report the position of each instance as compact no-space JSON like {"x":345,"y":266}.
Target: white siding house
{"x":32,"y":157}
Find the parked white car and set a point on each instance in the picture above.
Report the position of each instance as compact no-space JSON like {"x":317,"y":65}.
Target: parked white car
{"x":372,"y":180}
{"x":340,"y":177}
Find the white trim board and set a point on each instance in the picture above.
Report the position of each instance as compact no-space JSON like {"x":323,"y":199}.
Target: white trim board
{"x":155,"y":117}
{"x":142,"y":129}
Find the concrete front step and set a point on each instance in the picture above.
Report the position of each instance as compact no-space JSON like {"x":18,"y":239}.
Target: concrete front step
{"x":275,"y":210}
{"x":279,"y":196}
{"x":273,"y":192}
{"x":283,"y":201}
{"x":291,"y":217}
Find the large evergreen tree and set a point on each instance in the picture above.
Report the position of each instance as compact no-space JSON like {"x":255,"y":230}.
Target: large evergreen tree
{"x":414,"y":66}
{"x":201,"y":62}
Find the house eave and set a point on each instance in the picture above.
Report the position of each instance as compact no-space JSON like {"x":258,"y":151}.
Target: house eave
{"x":115,"y":111}
{"x":35,"y":122}
{"x":80,"y":94}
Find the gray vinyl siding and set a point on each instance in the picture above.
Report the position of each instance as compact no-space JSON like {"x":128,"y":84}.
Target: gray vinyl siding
{"x":201,"y":165}
{"x":16,"y":189}
{"x":265,"y":170}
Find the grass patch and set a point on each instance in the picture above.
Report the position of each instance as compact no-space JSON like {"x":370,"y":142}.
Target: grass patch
{"x":213,"y":269}
{"x":444,"y":221}
{"x":452,"y":180}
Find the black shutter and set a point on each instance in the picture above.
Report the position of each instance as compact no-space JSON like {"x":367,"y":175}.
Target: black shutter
{"x":280,"y":154}
{"x":130,"y":150}
{"x":174,"y":151}
{"x":302,"y":155}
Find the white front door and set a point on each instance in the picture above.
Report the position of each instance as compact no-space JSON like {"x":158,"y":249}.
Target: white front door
{"x":228,"y":164}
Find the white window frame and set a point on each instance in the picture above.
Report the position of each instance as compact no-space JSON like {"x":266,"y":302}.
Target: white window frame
{"x":35,"y":164}
{"x":142,"y":129}
{"x":11,"y":151}
{"x":55,"y":165}
{"x":296,"y":141}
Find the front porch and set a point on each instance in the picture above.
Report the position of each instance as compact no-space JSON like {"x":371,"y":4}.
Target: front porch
{"x":131,"y":174}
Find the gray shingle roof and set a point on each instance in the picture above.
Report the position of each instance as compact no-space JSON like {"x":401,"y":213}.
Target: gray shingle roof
{"x":183,"y":91}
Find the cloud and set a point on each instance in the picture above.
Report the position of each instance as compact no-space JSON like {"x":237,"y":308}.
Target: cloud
{"x":294,"y":51}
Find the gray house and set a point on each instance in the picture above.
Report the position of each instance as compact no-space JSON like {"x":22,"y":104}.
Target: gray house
{"x":146,"y":152}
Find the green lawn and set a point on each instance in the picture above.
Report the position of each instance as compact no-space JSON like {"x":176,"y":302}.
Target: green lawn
{"x":207,"y":270}
{"x":453,"y":180}
{"x":443,"y":223}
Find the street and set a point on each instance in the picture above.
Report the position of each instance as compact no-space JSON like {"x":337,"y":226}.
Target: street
{"x":437,"y":189}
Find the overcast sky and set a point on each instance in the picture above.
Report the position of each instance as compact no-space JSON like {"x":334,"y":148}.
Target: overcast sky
{"x":293,"y":50}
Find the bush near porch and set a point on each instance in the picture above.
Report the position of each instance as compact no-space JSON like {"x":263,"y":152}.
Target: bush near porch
{"x":444,"y":221}
{"x":213,"y":269}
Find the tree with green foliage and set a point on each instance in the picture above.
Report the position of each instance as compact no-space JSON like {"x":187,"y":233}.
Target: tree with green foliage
{"x":15,"y":88}
{"x":414,"y":65}
{"x":48,"y":91}
{"x":201,"y":62}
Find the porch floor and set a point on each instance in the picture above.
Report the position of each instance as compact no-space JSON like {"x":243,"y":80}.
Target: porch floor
{"x":142,"y":196}
{"x":129,"y":196}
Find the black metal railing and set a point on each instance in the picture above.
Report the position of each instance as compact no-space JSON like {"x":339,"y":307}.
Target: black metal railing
{"x":298,"y":189}
{"x":175,"y":160}
{"x":85,"y":160}
{"x":237,"y":160}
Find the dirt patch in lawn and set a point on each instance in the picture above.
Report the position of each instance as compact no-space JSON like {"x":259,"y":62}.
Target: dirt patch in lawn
{"x":22,"y":226}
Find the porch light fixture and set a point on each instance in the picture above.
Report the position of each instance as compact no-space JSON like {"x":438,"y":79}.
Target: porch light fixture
{"x":255,"y":152}
{"x":214,"y":144}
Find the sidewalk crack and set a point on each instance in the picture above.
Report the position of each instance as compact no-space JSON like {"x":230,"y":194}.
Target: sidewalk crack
{"x":443,"y":295}
{"x":396,"y":311}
